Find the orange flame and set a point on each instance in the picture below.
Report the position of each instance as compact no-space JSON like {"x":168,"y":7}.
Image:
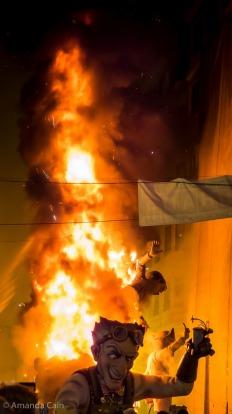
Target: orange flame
{"x":67,"y":308}
{"x":80,"y":273}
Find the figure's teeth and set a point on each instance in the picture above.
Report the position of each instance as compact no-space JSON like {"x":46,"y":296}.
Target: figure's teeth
{"x":114,"y":376}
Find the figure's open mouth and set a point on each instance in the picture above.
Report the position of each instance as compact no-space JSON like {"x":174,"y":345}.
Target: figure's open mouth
{"x":114,"y":376}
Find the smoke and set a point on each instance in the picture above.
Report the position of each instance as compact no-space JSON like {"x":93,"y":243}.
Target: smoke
{"x":98,"y":90}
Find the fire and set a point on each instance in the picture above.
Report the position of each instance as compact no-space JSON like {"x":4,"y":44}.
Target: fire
{"x":70,"y":314}
{"x":81,"y":266}
{"x":116,"y":263}
{"x":79,"y":167}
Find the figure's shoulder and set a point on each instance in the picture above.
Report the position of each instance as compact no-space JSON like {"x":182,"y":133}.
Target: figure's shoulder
{"x":78,"y":380}
{"x":139,"y":382}
{"x":82,"y":371}
{"x":74,"y":392}
{"x":82,"y":375}
{"x":152,"y":356}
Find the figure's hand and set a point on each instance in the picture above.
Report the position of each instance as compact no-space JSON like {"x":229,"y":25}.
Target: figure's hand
{"x":155,"y":249}
{"x":203,"y":349}
{"x":186,"y":332}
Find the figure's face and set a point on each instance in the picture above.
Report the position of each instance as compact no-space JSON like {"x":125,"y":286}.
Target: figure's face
{"x":165,"y":342}
{"x":115,"y":360}
{"x":158,"y":287}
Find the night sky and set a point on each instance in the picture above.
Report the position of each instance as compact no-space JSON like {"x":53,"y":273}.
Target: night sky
{"x":25,"y":26}
{"x":142,"y":44}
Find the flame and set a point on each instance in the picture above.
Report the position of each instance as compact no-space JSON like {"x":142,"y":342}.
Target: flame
{"x":80,"y":271}
{"x":64,"y":300}
{"x":79,"y":167}
{"x":117,"y":264}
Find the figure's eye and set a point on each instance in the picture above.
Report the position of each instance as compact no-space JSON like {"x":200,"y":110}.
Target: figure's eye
{"x":114,"y":355}
{"x":131,"y":358}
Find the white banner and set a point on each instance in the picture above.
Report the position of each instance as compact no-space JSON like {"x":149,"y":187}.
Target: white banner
{"x":182,"y":201}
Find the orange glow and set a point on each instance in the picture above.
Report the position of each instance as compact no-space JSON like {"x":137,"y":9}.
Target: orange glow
{"x":115,"y":262}
{"x":78,"y":268}
{"x":79,"y":167}
{"x":70,"y":314}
